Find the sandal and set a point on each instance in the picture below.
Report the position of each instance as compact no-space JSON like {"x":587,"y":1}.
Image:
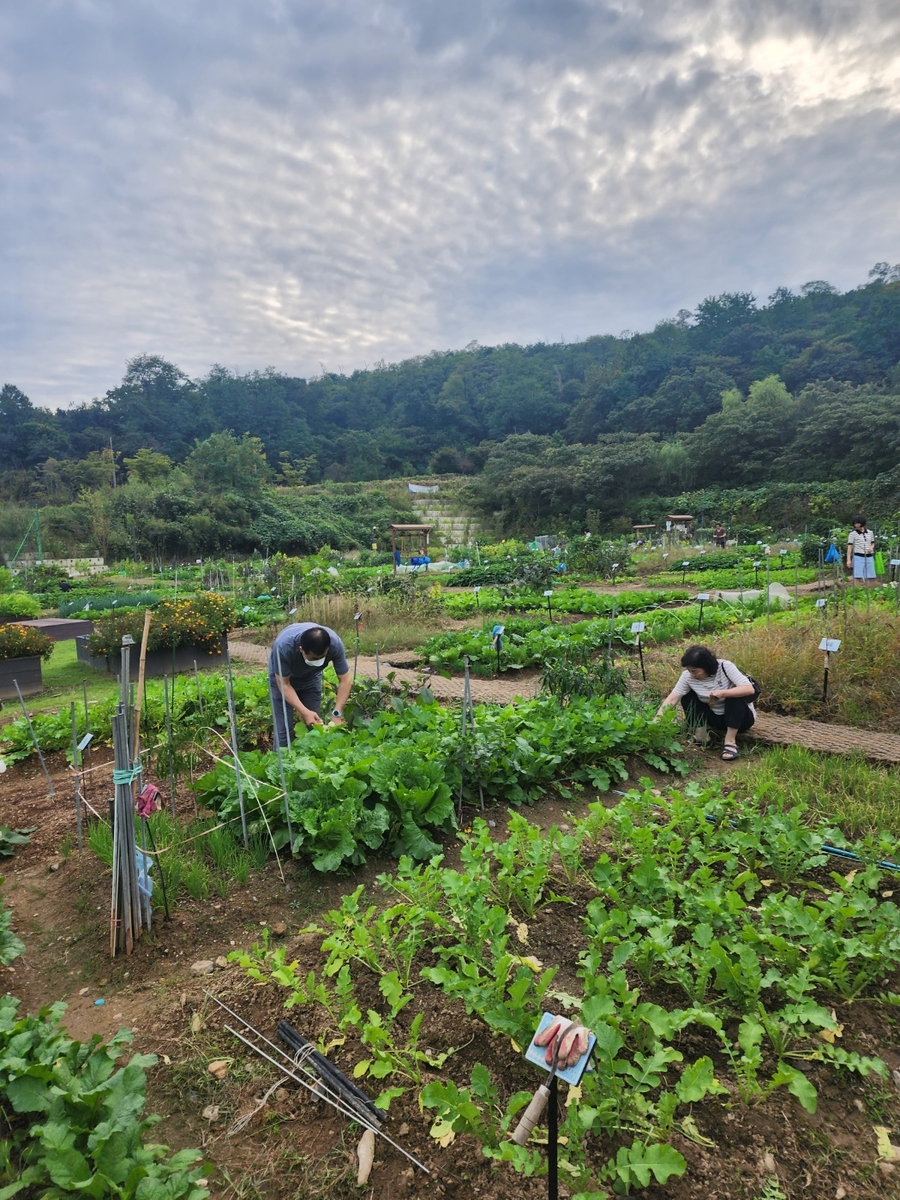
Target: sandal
{"x":730,"y":752}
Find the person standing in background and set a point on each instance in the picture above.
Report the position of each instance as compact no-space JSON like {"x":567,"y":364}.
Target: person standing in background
{"x":720,"y":537}
{"x":861,"y":553}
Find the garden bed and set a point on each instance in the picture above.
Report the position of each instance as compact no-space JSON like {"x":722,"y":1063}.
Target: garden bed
{"x":292,"y":1146}
{"x":158,"y":662}
{"x":24,"y":671}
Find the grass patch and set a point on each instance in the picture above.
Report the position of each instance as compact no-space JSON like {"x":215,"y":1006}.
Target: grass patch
{"x":198,"y":858}
{"x":64,"y":678}
{"x":854,"y":794}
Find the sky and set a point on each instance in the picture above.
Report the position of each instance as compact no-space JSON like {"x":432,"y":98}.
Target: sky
{"x":321,"y":186}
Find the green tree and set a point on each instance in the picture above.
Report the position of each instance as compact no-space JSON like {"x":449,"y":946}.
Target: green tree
{"x":149,"y":466}
{"x":225,"y":463}
{"x":741,"y":443}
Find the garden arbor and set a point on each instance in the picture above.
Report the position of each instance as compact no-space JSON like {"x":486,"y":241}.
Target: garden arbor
{"x":409,"y":541}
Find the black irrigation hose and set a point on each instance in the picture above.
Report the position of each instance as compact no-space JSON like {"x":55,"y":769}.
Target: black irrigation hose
{"x":847,"y":855}
{"x":836,"y":851}
{"x":330,"y":1074}
{"x":162,"y":879}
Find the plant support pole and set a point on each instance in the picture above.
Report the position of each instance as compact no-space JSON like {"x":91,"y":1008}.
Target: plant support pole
{"x":232,"y":718}
{"x":284,"y":705}
{"x":278,"y":755}
{"x":77,"y":778}
{"x":37,"y":747}
{"x":169,"y":743}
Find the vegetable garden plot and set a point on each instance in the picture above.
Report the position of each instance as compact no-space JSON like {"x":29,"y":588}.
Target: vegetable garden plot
{"x":395,"y":780}
{"x":529,"y":643}
{"x":721,"y":965}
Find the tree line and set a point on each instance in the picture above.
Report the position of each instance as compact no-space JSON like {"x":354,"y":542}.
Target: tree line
{"x":804,"y":387}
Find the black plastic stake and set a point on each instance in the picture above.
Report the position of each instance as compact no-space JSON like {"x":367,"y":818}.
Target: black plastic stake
{"x":702,"y":597}
{"x":553,"y":1143}
{"x":829,"y":646}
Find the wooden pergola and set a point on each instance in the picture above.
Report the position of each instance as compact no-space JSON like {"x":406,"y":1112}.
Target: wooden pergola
{"x":684,"y":519}
{"x":410,"y":540}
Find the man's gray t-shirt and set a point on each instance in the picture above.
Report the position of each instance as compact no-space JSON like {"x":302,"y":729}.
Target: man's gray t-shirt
{"x":287,"y":655}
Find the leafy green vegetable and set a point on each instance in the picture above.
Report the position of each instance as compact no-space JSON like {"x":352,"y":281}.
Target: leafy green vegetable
{"x":74,"y":1122}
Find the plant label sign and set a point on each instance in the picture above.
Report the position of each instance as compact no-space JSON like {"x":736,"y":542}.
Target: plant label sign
{"x":638,"y":626}
{"x":830,"y":645}
{"x":538,"y":1054}
{"x":821,"y":604}
{"x":702,"y":596}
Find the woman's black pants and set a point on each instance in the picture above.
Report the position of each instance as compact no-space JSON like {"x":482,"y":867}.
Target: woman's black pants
{"x":737,"y":713}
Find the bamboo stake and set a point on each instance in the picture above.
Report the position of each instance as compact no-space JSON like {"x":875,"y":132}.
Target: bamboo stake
{"x":136,"y":736}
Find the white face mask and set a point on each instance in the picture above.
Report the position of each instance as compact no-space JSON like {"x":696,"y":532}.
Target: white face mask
{"x":315,"y":662}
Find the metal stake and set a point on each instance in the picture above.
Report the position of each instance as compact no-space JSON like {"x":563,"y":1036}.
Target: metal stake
{"x":229,"y":688}
{"x":169,"y":743}
{"x":284,"y":706}
{"x":34,"y":738}
{"x":77,"y":778}
{"x":287,"y":811}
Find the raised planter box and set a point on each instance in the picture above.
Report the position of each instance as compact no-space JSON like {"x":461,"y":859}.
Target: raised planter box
{"x":60,"y":629}
{"x":159,"y":662}
{"x":24,"y":671}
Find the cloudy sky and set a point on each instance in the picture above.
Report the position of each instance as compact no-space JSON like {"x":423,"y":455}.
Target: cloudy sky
{"x":326,"y":184}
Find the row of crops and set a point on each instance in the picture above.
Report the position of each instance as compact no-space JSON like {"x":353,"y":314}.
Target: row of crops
{"x":712,"y":948}
{"x":395,"y":781}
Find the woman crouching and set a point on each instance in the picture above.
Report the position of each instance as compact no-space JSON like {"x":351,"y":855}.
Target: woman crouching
{"x":715,"y":694}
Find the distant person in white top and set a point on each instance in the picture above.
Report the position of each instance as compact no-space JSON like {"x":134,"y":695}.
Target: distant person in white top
{"x":861,"y":553}
{"x":713,"y":693}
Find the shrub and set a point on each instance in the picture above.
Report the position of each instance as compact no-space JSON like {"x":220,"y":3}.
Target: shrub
{"x":18,"y":606}
{"x":46,"y":578}
{"x":201,"y":619}
{"x":593,"y":556}
{"x":21,"y":641}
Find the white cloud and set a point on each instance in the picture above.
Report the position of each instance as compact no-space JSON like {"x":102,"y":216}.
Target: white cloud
{"x":274,"y":183}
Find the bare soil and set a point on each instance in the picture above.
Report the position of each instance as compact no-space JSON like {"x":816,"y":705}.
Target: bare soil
{"x":294,"y":1146}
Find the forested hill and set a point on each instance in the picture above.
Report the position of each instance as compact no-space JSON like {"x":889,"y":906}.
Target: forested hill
{"x":737,"y":392}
